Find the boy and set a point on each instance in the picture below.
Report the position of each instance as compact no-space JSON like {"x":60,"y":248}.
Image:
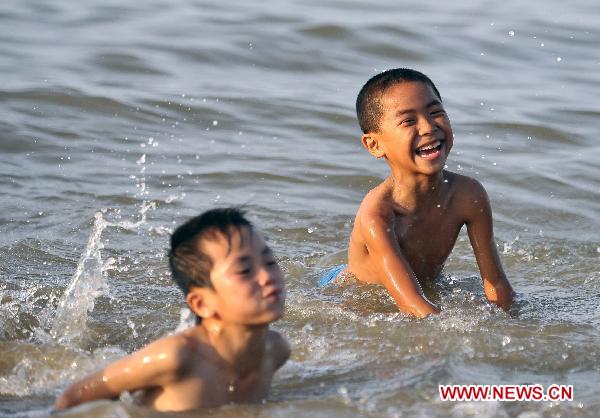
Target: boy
{"x":406,"y":227}
{"x":235,"y":287}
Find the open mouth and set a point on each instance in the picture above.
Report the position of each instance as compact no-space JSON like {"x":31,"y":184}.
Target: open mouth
{"x":431,"y":150}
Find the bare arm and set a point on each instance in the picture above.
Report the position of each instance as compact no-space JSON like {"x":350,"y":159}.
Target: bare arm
{"x":394,"y":271}
{"x":152,"y":366}
{"x":481,"y":234}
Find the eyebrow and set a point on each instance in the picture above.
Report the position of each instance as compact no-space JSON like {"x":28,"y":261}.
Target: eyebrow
{"x":243,"y":259}
{"x":428,"y":105}
{"x":265,"y":251}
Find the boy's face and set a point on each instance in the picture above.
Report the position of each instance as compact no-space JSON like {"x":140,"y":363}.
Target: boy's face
{"x":248,"y":285}
{"x":414,"y":131}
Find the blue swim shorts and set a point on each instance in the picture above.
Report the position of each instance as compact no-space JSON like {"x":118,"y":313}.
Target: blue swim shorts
{"x":331,"y":274}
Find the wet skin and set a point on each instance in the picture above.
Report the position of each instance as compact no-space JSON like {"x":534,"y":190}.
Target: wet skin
{"x":230,"y":357}
{"x":407,"y":226}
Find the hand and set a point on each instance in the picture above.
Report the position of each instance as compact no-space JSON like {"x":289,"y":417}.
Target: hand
{"x":500,"y":293}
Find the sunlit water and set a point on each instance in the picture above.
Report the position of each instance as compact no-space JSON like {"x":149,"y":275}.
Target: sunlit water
{"x":121,"y":120}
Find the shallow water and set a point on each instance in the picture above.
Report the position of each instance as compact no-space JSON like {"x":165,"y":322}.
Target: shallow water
{"x":121,"y":119}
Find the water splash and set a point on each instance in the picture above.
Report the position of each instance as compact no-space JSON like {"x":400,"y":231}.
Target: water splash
{"x":187,"y":319}
{"x":87,"y":284}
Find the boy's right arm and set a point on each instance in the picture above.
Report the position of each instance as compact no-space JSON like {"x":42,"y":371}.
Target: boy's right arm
{"x":153,"y":366}
{"x":394,"y":271}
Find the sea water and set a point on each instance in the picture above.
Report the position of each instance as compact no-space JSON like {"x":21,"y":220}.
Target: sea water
{"x":121,"y":119}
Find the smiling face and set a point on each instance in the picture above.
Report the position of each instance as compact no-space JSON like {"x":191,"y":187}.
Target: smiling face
{"x":247,"y":282}
{"x":414,"y":132}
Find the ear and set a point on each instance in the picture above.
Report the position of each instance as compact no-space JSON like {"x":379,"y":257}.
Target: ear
{"x":371,"y":142}
{"x":202,"y":302}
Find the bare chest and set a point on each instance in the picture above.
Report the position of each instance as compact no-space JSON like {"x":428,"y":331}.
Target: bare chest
{"x":427,"y":240}
{"x":213,"y":388}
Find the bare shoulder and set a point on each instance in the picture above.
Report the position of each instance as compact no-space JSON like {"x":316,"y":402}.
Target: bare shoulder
{"x":279,"y":347}
{"x":468,"y":194}
{"x":175,"y":351}
{"x":377,"y":205}
{"x":464,"y":187}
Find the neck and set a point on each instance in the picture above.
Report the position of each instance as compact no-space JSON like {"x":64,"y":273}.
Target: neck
{"x":242,"y":347}
{"x":413,"y":192}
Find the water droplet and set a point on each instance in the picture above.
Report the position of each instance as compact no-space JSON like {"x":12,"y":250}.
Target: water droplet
{"x":215,"y":122}
{"x":558,"y":59}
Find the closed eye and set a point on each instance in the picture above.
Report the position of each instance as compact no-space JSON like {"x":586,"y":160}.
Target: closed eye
{"x":245,"y":272}
{"x":407,"y":122}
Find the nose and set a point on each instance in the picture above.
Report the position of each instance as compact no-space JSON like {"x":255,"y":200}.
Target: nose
{"x":267,"y":276}
{"x":426,"y":126}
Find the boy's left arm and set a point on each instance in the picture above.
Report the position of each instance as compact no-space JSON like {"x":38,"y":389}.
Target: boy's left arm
{"x":481,"y":234}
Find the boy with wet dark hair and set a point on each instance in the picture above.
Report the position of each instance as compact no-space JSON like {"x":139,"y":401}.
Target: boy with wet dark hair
{"x":190,"y":267}
{"x":407,"y":226}
{"x":368,"y":103}
{"x":234,"y":285}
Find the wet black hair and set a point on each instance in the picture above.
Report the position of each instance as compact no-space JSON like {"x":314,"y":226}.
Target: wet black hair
{"x":190,"y":265}
{"x":368,"y":103}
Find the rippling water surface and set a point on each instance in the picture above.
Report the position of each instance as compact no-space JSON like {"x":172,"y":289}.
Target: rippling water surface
{"x":121,"y":119}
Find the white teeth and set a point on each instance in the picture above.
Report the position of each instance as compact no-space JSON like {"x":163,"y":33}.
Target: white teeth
{"x":431,"y":146}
